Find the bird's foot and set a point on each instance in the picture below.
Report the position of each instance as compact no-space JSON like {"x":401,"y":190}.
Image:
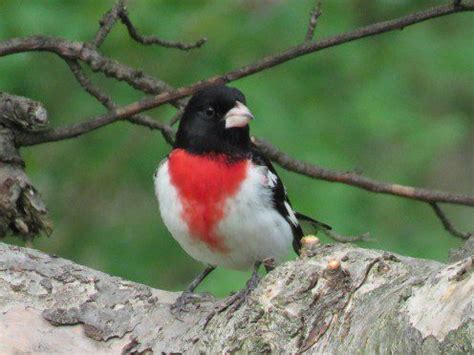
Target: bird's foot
{"x":187,"y":299}
{"x":234,"y":301}
{"x":180,"y":305}
{"x":187,"y":296}
{"x":269,"y":264}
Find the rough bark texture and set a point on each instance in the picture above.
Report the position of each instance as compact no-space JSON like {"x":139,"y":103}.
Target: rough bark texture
{"x":22,"y":211}
{"x":369,"y":301}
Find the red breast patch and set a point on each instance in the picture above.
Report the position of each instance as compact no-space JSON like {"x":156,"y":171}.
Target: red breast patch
{"x":204,"y":183}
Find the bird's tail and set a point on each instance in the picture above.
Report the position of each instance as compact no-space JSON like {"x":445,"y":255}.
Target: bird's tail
{"x":308,"y":221}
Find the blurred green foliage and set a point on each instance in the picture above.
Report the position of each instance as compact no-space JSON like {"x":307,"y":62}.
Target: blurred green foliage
{"x":399,"y":107}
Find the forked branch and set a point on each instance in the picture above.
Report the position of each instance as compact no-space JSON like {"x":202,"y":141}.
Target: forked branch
{"x":75,"y":53}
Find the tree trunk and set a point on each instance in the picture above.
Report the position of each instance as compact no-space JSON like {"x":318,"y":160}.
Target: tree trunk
{"x":22,"y":211}
{"x":338,"y":299}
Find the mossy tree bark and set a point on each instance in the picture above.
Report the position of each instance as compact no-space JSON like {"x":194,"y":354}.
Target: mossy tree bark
{"x":338,"y":299}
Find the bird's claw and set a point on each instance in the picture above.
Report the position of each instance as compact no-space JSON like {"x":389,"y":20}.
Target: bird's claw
{"x":179,"y":306}
{"x":234,"y":301}
{"x":269,"y":264}
{"x":182,"y":303}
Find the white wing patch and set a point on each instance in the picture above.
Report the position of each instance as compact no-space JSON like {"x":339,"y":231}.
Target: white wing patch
{"x":291,"y":214}
{"x":272,"y":179}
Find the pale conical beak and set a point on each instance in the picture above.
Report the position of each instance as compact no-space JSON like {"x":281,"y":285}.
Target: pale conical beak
{"x":238,"y":116}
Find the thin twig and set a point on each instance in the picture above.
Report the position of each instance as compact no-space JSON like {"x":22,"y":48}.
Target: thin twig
{"x":176,"y":117}
{"x":367,"y":31}
{"x":67,"y":49}
{"x":165,"y":129}
{"x":136,"y":78}
{"x":42,"y":43}
{"x":448,"y":225}
{"x":148,"y":40}
{"x":88,"y":86}
{"x":313,"y":20}
{"x":107,"y":102}
{"x":118,"y":114}
{"x":106,"y":24}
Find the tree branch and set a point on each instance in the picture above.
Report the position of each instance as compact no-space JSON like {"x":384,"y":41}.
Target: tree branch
{"x":107,"y":102}
{"x":313,"y":20}
{"x":281,"y":158}
{"x":148,"y":40}
{"x":73,"y":50}
{"x":338,"y":299}
{"x":117,"y":114}
{"x":367,"y":31}
{"x":175,"y":119}
{"x":447,"y":223}
{"x":106,"y":23}
{"x":136,"y":78}
{"x":88,"y":86}
{"x":121,"y":72}
{"x":357,"y":180}
{"x":77,"y":51}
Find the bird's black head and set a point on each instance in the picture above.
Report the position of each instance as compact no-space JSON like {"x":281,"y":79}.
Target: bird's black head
{"x":215,"y":121}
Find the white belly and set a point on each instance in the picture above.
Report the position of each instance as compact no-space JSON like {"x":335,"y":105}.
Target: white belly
{"x":252,"y":230}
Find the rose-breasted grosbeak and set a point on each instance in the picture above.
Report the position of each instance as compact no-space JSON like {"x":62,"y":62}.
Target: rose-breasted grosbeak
{"x":220,"y":198}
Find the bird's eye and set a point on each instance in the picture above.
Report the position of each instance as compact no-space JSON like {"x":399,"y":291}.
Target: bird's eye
{"x":210,"y":111}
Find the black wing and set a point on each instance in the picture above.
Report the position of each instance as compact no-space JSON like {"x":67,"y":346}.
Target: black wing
{"x":282,"y":202}
{"x":280,"y":197}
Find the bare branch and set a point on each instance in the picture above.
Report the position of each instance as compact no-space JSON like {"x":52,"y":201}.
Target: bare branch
{"x":88,"y":86}
{"x":106,"y":23}
{"x":166,"y":130}
{"x":120,"y":113}
{"x":119,"y":11}
{"x":313,"y":20}
{"x":447,"y":223}
{"x":176,"y":117}
{"x":148,"y":40}
{"x":75,"y":50}
{"x":357,"y":180}
{"x":122,"y":72}
{"x":67,"y":49}
{"x":368,"y":31}
{"x":106,"y":101}
{"x":136,"y":78}
{"x":271,"y":152}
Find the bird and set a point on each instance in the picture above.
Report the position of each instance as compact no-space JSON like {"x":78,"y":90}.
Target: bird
{"x":220,"y":197}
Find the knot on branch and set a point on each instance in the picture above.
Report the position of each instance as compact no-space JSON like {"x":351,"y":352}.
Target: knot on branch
{"x":22,"y":211}
{"x":21,"y":112}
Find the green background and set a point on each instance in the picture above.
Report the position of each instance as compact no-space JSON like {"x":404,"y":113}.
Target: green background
{"x":398,"y":107}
